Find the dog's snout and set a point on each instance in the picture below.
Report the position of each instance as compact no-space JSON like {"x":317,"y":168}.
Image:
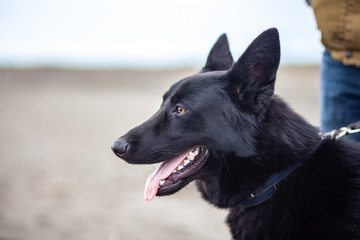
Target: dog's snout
{"x":120,"y":147}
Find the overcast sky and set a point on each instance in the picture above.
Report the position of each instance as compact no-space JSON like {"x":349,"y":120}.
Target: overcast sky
{"x":146,"y":34}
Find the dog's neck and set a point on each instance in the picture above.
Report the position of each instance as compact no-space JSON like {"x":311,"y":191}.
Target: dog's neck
{"x":295,"y":138}
{"x":292,"y":148}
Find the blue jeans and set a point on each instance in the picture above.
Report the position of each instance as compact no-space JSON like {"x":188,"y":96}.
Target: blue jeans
{"x":339,"y":95}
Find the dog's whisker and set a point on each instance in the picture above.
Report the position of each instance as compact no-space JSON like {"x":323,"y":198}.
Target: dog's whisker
{"x":226,"y":165}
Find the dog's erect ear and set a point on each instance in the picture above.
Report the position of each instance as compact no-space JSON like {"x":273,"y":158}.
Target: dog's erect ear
{"x":220,"y":57}
{"x":253,"y":75}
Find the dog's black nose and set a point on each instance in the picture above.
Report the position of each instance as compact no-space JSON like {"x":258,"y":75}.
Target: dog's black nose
{"x":120,"y":147}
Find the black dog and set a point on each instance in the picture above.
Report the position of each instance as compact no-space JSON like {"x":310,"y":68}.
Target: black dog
{"x":249,"y":152}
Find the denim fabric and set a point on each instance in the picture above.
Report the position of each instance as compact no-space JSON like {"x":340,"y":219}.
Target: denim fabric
{"x":339,"y":95}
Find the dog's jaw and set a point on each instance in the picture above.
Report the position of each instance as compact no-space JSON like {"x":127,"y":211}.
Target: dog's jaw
{"x":173,"y":174}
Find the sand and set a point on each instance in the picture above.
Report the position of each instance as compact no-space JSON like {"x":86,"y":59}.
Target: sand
{"x":58,"y":176}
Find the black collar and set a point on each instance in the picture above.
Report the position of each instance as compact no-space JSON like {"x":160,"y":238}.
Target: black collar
{"x":268,"y":190}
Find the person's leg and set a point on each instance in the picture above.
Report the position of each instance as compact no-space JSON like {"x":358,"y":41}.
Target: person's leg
{"x":339,"y":95}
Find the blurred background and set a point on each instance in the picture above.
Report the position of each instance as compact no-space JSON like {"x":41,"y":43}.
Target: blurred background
{"x":75,"y":75}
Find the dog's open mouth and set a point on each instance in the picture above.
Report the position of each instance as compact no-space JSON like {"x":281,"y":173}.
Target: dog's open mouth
{"x":170,"y":175}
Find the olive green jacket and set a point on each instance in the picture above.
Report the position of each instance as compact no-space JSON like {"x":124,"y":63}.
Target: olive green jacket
{"x":339,"y":23}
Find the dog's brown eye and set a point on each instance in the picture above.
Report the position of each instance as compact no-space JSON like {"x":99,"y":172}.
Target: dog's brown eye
{"x":180,"y":110}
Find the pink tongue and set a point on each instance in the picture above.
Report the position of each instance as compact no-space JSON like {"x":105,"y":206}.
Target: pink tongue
{"x":161,"y":173}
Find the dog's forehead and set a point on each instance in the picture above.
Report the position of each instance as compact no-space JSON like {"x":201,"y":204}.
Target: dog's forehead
{"x":196,"y":88}
{"x":199,"y":81}
{"x":197,"y":84}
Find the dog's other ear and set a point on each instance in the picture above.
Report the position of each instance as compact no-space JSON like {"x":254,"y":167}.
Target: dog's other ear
{"x":220,"y":57}
{"x":253,"y":75}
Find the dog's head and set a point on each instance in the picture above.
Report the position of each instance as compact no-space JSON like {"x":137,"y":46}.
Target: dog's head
{"x":205,"y":117}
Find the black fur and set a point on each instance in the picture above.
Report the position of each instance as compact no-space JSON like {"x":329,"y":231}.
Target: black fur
{"x":251,"y":134}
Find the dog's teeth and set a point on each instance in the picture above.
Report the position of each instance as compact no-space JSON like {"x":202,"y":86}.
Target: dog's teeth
{"x":191,"y":156}
{"x":196,"y":151}
{"x":162,"y":182}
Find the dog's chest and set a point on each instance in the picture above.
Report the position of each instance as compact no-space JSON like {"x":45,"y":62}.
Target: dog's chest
{"x":242,"y":225}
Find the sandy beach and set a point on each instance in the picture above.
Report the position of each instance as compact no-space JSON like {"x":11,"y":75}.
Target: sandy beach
{"x":58,"y":176}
